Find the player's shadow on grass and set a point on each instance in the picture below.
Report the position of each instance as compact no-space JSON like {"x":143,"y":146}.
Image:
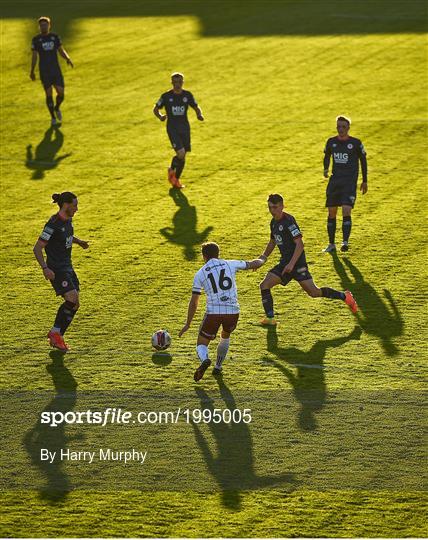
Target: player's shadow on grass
{"x":44,"y":158}
{"x":184,"y":230}
{"x":231,"y":462}
{"x":375,"y":316}
{"x":53,"y":438}
{"x":308,"y":376}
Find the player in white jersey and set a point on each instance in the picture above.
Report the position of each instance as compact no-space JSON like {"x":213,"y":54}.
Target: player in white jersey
{"x":217,"y":278}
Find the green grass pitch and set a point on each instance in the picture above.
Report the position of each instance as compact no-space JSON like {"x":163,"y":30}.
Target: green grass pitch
{"x":339,"y":398}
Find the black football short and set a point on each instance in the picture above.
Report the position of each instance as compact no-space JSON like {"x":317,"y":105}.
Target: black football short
{"x":300,"y":273}
{"x":341,"y":193}
{"x":52,"y":78}
{"x":179,"y":137}
{"x":65,"y":281}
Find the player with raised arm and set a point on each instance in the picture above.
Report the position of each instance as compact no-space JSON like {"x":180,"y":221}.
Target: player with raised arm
{"x":346,"y":152}
{"x":176,"y":103}
{"x":217,"y":278}
{"x":286,"y":234}
{"x":57,"y":239}
{"x":45,"y":45}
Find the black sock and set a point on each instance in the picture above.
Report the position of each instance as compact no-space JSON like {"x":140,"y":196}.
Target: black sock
{"x":64,"y":316}
{"x":267,"y":302}
{"x":346,"y":227}
{"x":332,"y":293}
{"x":179,"y":168}
{"x":50,"y":105}
{"x":331,"y":229}
{"x":59,"y":100}
{"x":174,"y":163}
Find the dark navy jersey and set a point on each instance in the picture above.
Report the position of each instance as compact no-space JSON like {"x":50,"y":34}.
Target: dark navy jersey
{"x":57,"y":236}
{"x":346,"y":155}
{"x":47,"y":46}
{"x":176,"y":106}
{"x":284,"y":232}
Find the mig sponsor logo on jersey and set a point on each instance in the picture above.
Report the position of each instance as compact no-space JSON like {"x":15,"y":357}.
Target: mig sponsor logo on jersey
{"x":340,"y":157}
{"x":48,"y":45}
{"x":278,"y":239}
{"x":178,"y":110}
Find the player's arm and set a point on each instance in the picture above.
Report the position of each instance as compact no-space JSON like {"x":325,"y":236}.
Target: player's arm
{"x":191,"y":310}
{"x":82,"y":243}
{"x":38,"y":253}
{"x":268,"y":250}
{"x":198,"y":112}
{"x":156,"y":109}
{"x":256,"y":263}
{"x":195,"y":107}
{"x":327,"y":156}
{"x":298,"y":250}
{"x":65,"y":55}
{"x":363,"y":161}
{"x":33,"y":65}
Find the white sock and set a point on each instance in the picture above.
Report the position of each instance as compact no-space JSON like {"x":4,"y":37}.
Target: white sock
{"x":56,"y":329}
{"x":202,"y":351}
{"x":222,"y":349}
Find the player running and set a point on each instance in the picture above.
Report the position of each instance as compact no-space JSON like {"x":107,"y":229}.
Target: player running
{"x":46,"y":44}
{"x":342,"y":187}
{"x":217,"y":278}
{"x":176,"y":103}
{"x":285,"y":233}
{"x":57,"y":239}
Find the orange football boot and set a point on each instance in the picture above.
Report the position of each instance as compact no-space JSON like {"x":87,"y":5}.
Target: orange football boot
{"x":171,"y":177}
{"x":57,"y":341}
{"x":268,"y":321}
{"x":350,"y":301}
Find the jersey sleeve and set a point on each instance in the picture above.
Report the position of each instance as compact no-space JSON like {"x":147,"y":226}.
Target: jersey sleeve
{"x":363,"y":159}
{"x":197,"y":285}
{"x":294,"y":230}
{"x":327,"y":154}
{"x":192,"y":100}
{"x":238,"y":265}
{"x":47,"y":232}
{"x":160,"y":103}
{"x":33,"y":44}
{"x":361,"y":149}
{"x":58,"y":41}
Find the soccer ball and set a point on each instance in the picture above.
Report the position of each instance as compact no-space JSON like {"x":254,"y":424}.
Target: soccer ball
{"x":161,"y":340}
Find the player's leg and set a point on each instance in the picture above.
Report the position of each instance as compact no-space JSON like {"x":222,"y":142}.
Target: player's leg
{"x":181,"y":154}
{"x":207,"y":332}
{"x":229,"y":324}
{"x":50,"y":103}
{"x":66,"y":284}
{"x":331,"y":229}
{"x":64,"y":316}
{"x":312,"y":290}
{"x":59,"y":99}
{"x":271,"y":280}
{"x":177,"y":164}
{"x":346,"y":226}
{"x":71,"y":305}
